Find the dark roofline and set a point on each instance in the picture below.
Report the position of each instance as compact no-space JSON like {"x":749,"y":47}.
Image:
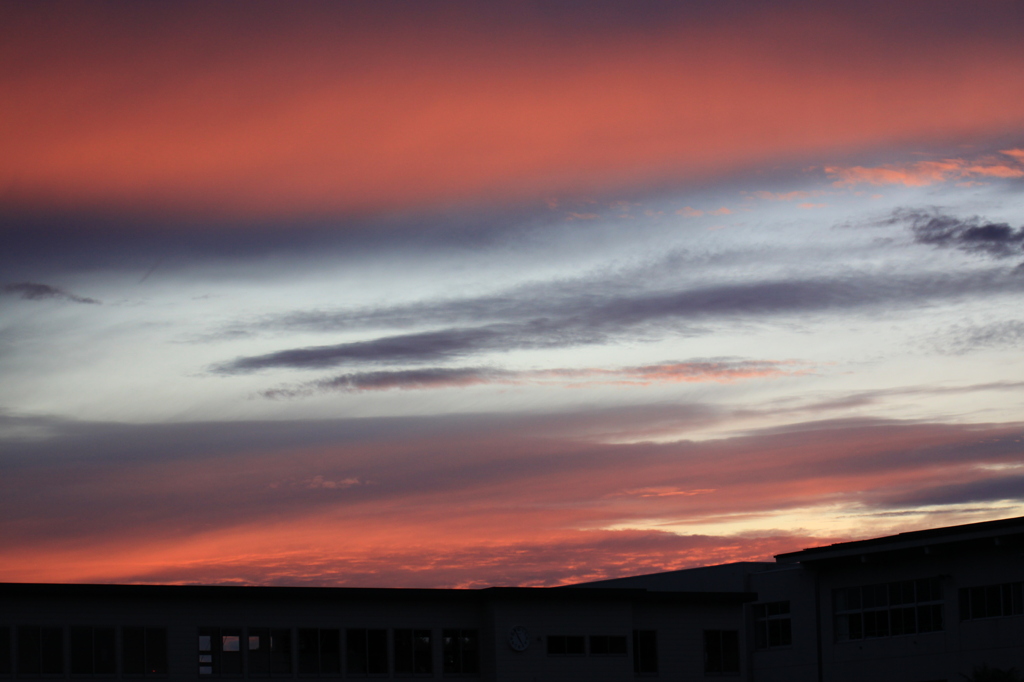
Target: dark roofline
{"x":916,"y":538}
{"x":276,"y":593}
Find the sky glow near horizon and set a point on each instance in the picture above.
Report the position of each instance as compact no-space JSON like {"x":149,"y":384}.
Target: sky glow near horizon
{"x":382,"y":295}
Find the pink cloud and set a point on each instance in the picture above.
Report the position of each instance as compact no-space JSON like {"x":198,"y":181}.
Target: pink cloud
{"x":925,"y":173}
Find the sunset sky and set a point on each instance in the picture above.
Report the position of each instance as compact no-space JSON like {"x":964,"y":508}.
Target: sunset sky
{"x":455,"y":294}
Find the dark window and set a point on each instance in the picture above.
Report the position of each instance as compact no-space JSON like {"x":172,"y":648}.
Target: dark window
{"x":5,"y":651}
{"x":608,"y":645}
{"x":92,"y":651}
{"x":319,"y":651}
{"x":566,"y":645}
{"x":40,"y":650}
{"x":645,"y":651}
{"x":269,"y":651}
{"x":722,"y":651}
{"x":461,"y":651}
{"x":367,"y":651}
{"x":144,"y":651}
{"x":899,"y":608}
{"x":220,"y":651}
{"x":414,"y":654}
{"x":772,"y":625}
{"x":992,"y":601}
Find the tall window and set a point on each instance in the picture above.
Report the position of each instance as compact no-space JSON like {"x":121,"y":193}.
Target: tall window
{"x":772,"y":627}
{"x":367,"y":651}
{"x":887,"y":609}
{"x":40,"y":650}
{"x":319,"y":651}
{"x":722,"y":651}
{"x":144,"y":651}
{"x":461,"y":651}
{"x":269,"y":651}
{"x":414,"y":654}
{"x":991,"y":601}
{"x":645,"y":651}
{"x":92,"y":651}
{"x":220,"y":651}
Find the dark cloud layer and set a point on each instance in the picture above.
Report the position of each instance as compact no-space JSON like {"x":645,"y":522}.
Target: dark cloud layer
{"x":603,"y":316}
{"x":35,"y":292}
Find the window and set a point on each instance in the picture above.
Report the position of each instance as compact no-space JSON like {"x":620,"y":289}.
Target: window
{"x":40,"y":650}
{"x":319,"y":651}
{"x":887,"y":609}
{"x":991,"y":601}
{"x":269,"y":651}
{"x":5,"y":651}
{"x":92,"y":651}
{"x":772,"y":625}
{"x":367,"y":652}
{"x":566,"y":645}
{"x":413,"y":652}
{"x":645,"y":651}
{"x":608,"y":645}
{"x":220,"y":651}
{"x":722,"y":651}
{"x":461,"y":651}
{"x":144,"y":651}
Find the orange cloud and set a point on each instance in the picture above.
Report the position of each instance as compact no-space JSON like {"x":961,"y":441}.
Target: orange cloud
{"x":344,"y":107}
{"x":468,"y":506}
{"x":927,"y":172}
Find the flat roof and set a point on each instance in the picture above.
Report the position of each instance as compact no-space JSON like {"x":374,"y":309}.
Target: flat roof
{"x":278,"y":593}
{"x":909,"y":540}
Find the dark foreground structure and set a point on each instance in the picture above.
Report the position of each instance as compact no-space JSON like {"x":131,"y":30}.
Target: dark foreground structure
{"x":915,"y":607}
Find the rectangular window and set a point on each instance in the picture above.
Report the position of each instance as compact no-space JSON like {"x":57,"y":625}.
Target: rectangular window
{"x":722,"y":651}
{"x":414,"y":654}
{"x":144,"y":651}
{"x":645,"y":651}
{"x":566,"y":645}
{"x":992,"y":601}
{"x":92,"y":651}
{"x":461,"y":651}
{"x":367,"y":651}
{"x":269,"y":651}
{"x":40,"y":650}
{"x":608,"y":645}
{"x":220,"y":651}
{"x":888,"y":609}
{"x":5,"y":651}
{"x":319,"y":651}
{"x":772,"y":626}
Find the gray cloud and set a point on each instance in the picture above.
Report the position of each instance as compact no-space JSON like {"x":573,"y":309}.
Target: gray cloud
{"x":428,"y":377}
{"x":35,"y":292}
{"x":721,"y":369}
{"x":972,"y":235}
{"x":961,"y":339}
{"x":988,"y":489}
{"x":603,"y":316}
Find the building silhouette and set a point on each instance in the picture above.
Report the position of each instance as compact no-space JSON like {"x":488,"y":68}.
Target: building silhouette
{"x":915,"y":607}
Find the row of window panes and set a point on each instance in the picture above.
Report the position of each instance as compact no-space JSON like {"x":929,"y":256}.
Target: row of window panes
{"x":268,"y":651}
{"x":888,"y":609}
{"x":39,"y":650}
{"x":575,"y":645}
{"x":904,"y":592}
{"x":772,"y":625}
{"x":991,"y":601}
